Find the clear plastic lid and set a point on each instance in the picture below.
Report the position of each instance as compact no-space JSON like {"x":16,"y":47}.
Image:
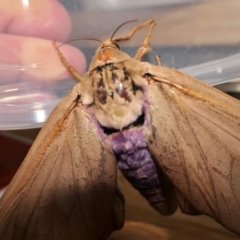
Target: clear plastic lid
{"x":33,"y":80}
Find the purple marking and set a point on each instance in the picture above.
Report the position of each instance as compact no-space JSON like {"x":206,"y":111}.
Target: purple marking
{"x":138,"y":166}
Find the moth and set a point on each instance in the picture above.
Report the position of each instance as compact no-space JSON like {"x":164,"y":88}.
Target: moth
{"x":175,"y":139}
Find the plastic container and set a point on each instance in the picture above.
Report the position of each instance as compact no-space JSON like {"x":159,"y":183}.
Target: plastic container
{"x":199,"y":37}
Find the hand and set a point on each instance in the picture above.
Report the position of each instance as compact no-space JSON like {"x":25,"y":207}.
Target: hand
{"x":27,"y":29}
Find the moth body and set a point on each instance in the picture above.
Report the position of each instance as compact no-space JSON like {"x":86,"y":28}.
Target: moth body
{"x":120,"y":97}
{"x":137,"y":165}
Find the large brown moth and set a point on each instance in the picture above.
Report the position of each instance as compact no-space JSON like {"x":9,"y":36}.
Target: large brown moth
{"x":172,"y":136}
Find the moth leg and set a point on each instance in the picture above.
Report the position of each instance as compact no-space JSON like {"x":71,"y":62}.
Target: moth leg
{"x":145,"y":45}
{"x":158,"y":60}
{"x":69,"y":67}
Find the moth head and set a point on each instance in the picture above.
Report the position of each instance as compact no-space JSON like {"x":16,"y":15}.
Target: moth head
{"x":108,"y":52}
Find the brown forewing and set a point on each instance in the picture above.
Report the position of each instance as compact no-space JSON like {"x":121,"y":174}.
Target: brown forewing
{"x":195,"y":140}
{"x":66,"y":186}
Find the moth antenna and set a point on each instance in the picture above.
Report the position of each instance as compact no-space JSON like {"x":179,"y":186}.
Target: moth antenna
{"x":120,"y":27}
{"x":76,"y":39}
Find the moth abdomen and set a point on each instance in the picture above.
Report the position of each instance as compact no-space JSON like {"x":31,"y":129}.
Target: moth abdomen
{"x":137,"y":165}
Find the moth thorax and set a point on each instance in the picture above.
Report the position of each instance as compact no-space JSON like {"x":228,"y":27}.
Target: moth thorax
{"x":118,"y":100}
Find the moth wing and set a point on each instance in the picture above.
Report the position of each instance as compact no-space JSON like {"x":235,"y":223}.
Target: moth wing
{"x":66,"y":186}
{"x":194,"y":137}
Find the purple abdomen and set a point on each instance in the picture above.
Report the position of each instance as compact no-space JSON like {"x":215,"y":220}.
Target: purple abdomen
{"x":138,"y":166}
